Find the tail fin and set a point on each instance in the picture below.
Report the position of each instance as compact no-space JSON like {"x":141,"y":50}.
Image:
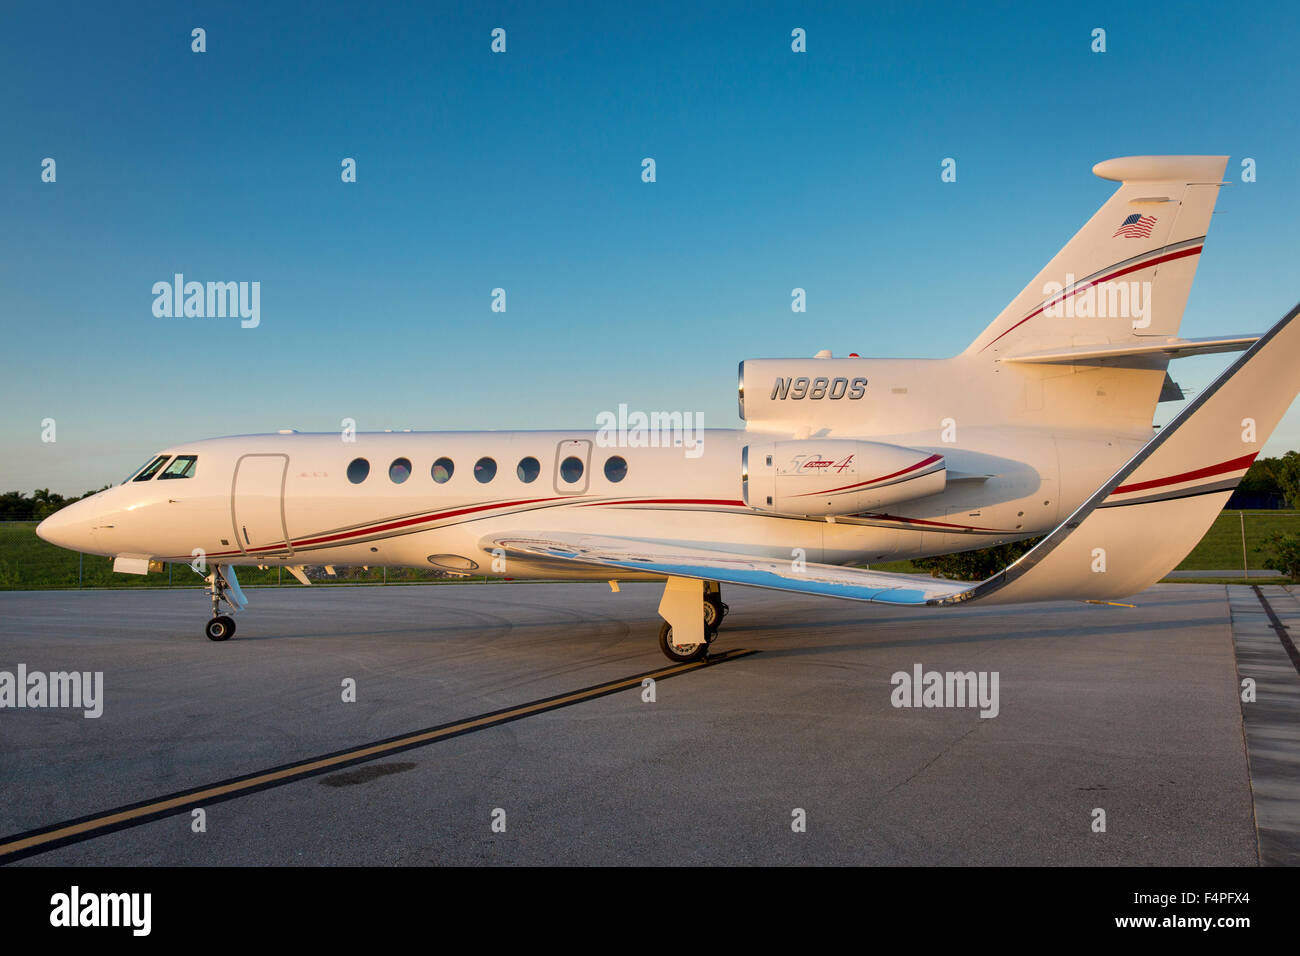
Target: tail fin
{"x":1126,"y":274}
{"x":1145,"y":519}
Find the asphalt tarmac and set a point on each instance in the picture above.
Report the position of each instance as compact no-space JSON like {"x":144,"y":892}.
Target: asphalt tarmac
{"x":1117,"y":736}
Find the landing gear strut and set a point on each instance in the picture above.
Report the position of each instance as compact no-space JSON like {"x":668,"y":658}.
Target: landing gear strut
{"x":222,"y":585}
{"x":714,"y":610}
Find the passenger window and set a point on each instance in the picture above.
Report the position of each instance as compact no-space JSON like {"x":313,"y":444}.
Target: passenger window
{"x":615,"y":468}
{"x":358,"y":470}
{"x":528,"y":470}
{"x":571,"y":469}
{"x":442,"y":470}
{"x":152,"y":469}
{"x":182,"y":467}
{"x":399,"y":470}
{"x":485,"y":469}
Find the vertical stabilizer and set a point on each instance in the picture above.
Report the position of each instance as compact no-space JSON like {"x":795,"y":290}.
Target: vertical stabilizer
{"x":1126,"y":274}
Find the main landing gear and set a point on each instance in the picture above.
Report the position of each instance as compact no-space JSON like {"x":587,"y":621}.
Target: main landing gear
{"x":222,"y":585}
{"x":680,"y":594}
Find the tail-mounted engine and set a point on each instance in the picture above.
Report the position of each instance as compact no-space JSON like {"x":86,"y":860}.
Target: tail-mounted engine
{"x":836,"y":476}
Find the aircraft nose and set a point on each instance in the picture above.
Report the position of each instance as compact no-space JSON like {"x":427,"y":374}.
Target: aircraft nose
{"x":55,"y":529}
{"x":68,"y":527}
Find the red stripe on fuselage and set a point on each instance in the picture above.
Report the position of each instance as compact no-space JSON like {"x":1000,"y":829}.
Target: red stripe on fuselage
{"x":387,"y":526}
{"x":664,"y":501}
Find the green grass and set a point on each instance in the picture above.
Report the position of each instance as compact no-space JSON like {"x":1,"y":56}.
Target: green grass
{"x":1220,"y":549}
{"x":898,"y":567}
{"x":1227,"y":580}
{"x":28,"y":563}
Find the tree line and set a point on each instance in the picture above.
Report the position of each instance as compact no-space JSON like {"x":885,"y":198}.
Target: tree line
{"x":1279,"y":476}
{"x":16,"y":506}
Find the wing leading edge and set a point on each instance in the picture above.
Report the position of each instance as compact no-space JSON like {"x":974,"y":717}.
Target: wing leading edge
{"x":680,"y":561}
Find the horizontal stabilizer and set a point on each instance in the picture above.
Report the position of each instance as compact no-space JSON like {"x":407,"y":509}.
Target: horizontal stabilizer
{"x":1169,"y":348}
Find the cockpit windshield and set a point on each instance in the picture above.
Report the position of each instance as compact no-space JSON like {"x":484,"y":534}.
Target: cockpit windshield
{"x":150,"y":469}
{"x":181,"y":467}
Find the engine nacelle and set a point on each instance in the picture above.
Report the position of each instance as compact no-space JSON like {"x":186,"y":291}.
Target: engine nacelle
{"x":816,"y":477}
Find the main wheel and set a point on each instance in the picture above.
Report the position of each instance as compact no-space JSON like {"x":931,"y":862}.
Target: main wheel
{"x":220,"y":628}
{"x":714,"y":612}
{"x":680,"y":653}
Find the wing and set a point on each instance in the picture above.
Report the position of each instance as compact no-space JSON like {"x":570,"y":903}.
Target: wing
{"x":1128,"y":535}
{"x":684,"y":561}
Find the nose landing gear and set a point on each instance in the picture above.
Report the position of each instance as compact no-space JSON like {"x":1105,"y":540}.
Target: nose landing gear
{"x":220,"y":628}
{"x":223,"y":585}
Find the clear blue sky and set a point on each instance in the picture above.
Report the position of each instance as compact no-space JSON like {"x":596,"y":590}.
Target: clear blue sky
{"x":522,"y":171}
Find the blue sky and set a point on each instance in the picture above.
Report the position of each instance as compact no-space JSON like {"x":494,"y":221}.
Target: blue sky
{"x":522,"y":171}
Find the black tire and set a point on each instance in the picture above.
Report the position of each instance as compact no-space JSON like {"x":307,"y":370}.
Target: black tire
{"x":679,"y":655}
{"x":714,"y":612}
{"x":220,"y":628}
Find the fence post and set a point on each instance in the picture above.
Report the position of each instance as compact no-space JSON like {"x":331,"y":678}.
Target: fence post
{"x":1245,"y":564}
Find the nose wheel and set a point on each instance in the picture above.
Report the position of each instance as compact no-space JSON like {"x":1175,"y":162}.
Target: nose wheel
{"x":220,"y":628}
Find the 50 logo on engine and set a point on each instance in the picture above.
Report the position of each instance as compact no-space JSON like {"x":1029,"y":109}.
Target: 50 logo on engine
{"x":819,"y":465}
{"x":815,"y":389}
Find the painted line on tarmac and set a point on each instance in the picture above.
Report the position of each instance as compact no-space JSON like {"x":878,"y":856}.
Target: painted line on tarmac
{"x":47,"y":838}
{"x":1279,"y":629}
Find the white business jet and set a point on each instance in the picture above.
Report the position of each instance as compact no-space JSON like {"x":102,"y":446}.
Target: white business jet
{"x":1041,"y":427}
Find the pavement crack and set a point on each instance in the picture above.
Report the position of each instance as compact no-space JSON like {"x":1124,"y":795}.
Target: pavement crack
{"x":931,"y":762}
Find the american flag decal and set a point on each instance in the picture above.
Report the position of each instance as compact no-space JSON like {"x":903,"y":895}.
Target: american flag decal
{"x":1136,"y":226}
